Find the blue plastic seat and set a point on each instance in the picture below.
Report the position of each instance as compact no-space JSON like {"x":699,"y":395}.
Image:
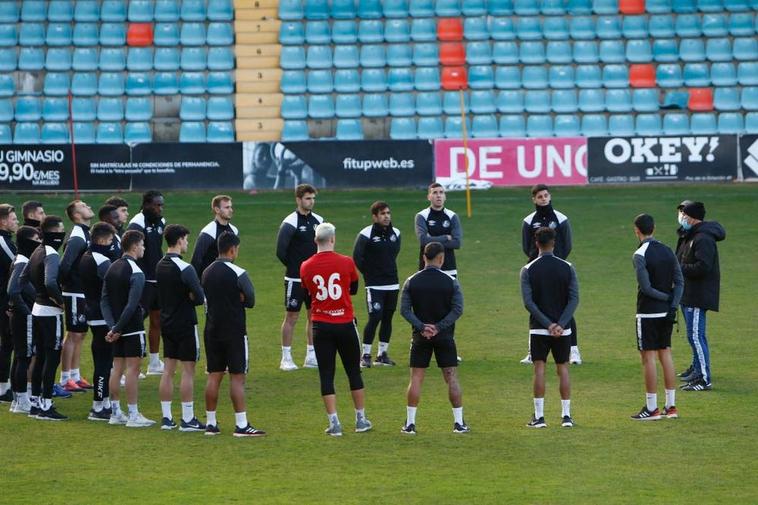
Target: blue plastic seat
{"x":58,"y":34}
{"x":430,"y":128}
{"x":454,"y":127}
{"x":140,"y":11}
{"x":591,"y":100}
{"x":508,"y":77}
{"x":537,"y":101}
{"x":139,"y":83}
{"x":349,"y":129}
{"x":220,"y":108}
{"x":553,"y":7}
{"x":534,"y":77}
{"x":8,"y":35}
{"x":395,"y":8}
{"x":33,"y":10}
{"x":558,"y":52}
{"x":426,"y":54}
{"x":26,"y":133}
{"x":346,"y":56}
{"x":220,"y":10}
{"x":621,"y":125}
{"x":427,"y":79}
{"x":723,"y":74}
{"x":478,"y":53}
{"x":512,"y":125}
{"x":675,"y":100}
{"x":658,"y":6}
{"x":482,"y":102}
{"x":567,"y":126}
{"x":109,"y":133}
{"x":402,"y":128}
{"x":481,"y":77}
{"x":505,"y":53}
{"x":166,"y":58}
{"x":370,"y":31}
{"x":402,"y":104}
{"x":220,"y":58}
{"x":293,"y":82}
{"x":57,"y":84}
{"x":447,"y":8}
{"x":31,"y":58}
{"x":348,"y":105}
{"x":58,"y":59}
{"x":84,"y":133}
{"x":7,"y":86}
{"x":612,"y":51}
{"x":747,"y":73}
{"x":9,"y":12}
{"x":665,"y":50}
{"x":502,"y":29}
{"x":320,"y":81}
{"x":475,"y":28}
{"x":111,"y":84}
{"x":714,"y":25}
{"x":400,"y":79}
{"x":745,"y":48}
{"x":697,"y":75}
{"x":344,"y":32}
{"x":194,"y":58}
{"x":532,"y":52}
{"x":738,"y":5}
{"x":662,"y":26}
{"x":192,"y":109}
{"x":428,"y":103}
{"x":28,"y":108}
{"x":582,"y":28}
{"x":594,"y":125}
{"x":55,"y":133}
{"x":192,"y":83}
{"x":347,"y":81}
{"x":167,"y":34}
{"x":539,"y":126}
{"x":140,"y":59}
{"x":399,"y":55}
{"x":510,"y":101}
{"x":692,"y":50}
{"x":193,"y":10}
{"x":588,"y":76}
{"x":316,"y":57}
{"x":421,"y":8}
{"x":451,"y":102}
{"x":474,"y":8}
{"x":741,"y":24}
{"x":220,"y":34}
{"x":373,"y":55}
{"x":676,"y":124}
{"x":484,"y":127}
{"x":113,"y":11}
{"x":87,"y":11}
{"x":616,"y":76}
{"x":31,"y":34}
{"x":749,"y":98}
{"x":136,"y":133}
{"x":375,"y":105}
{"x":579,"y":7}
{"x":397,"y":30}
{"x":555,"y":28}
{"x":645,"y":100}
{"x":605,"y":6}
{"x":726,"y":99}
{"x":731,"y":122}
{"x":648,"y":125}
{"x":585,"y":51}
{"x":112,"y":59}
{"x":295,"y":130}
{"x":6,"y":137}
{"x":608,"y":27}
{"x":193,"y":131}
{"x":110,"y":109}
{"x":564,"y":100}
{"x":500,"y":7}
{"x":86,"y":34}
{"x":113,"y":34}
{"x":751,"y":122}
{"x":192,"y":34}
{"x":8,"y":62}
{"x":639,"y":51}
{"x":669,"y":75}
{"x":291,"y":10}
{"x":561,"y":76}
{"x":320,"y":107}
{"x":528,"y":28}
{"x":84,"y":84}
{"x":423,"y":30}
{"x":719,"y":49}
{"x":703,"y":124}
{"x":54,"y":109}
{"x":709,"y":5}
{"x":688,"y":25}
{"x":167,"y":83}
{"x":373,"y":80}
{"x":634,"y":27}
{"x":618,"y":100}
{"x":220,"y":131}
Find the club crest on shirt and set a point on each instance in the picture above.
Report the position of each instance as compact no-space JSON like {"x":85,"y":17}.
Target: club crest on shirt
{"x":446,"y":224}
{"x":303,"y":228}
{"x":377,"y":305}
{"x":393,"y":238}
{"x":293,"y":303}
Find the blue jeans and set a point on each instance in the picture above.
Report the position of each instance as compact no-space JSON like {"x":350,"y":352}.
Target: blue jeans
{"x":694,"y":318}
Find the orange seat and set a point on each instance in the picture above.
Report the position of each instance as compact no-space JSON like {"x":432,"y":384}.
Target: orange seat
{"x":632,"y":6}
{"x":642,"y":75}
{"x":701,"y":99}
{"x":140,"y":34}
{"x":450,"y":29}
{"x":452,"y":53}
{"x":454,"y":78}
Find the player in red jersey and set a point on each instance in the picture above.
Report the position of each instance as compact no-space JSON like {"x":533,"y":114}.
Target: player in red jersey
{"x":330,"y":279}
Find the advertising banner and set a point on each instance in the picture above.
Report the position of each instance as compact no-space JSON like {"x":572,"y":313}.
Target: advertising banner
{"x":338,"y":164}
{"x":691,"y":158}
{"x":749,"y":157}
{"x":511,"y":162}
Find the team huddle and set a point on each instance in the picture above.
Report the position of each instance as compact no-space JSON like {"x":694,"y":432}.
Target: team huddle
{"x":111,"y":276}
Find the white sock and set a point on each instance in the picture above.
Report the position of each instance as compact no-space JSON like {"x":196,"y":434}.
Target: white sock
{"x":286,"y":352}
{"x":97,"y":406}
{"x":366,"y":348}
{"x":360,"y":414}
{"x":670,"y":397}
{"x":4,"y":387}
{"x":565,"y":408}
{"x":410,"y":415}
{"x":46,"y":403}
{"x":155,"y":358}
{"x":651,"y":400}
{"x":22,"y":398}
{"x":132,"y":409}
{"x":333,"y":419}
{"x":539,"y":405}
{"x":188,"y":411}
{"x":34,"y":400}
{"x":106,"y":402}
{"x":574,"y":348}
{"x":458,"y":415}
{"x":74,"y":374}
{"x":29,"y":387}
{"x":65,"y":376}
{"x":240,"y":419}
{"x":115,"y":407}
{"x":309,"y":349}
{"x":383,"y":346}
{"x":166,"y":409}
{"x":210,"y":417}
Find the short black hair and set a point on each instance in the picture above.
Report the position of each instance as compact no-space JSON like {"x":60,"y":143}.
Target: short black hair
{"x":117,"y":202}
{"x":149,"y":196}
{"x":71,"y":208}
{"x":130,"y":239}
{"x":539,"y":187}
{"x":101,"y":230}
{"x":26,"y":232}
{"x":30,"y":206}
{"x":173,"y":233}
{"x":51,"y":222}
{"x":105,"y":211}
{"x":435,"y":185}
{"x":379,"y":206}
{"x":544,"y":236}
{"x":433,"y":249}
{"x":645,"y":223}
{"x":226,"y":241}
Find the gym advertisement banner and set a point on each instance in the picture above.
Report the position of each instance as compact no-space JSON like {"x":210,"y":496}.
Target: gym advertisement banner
{"x":749,"y":157}
{"x":692,"y":158}
{"x":511,"y":162}
{"x":337,"y":164}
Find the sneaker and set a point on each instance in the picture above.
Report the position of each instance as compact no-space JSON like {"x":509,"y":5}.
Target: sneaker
{"x":167,"y":424}
{"x":22,"y":407}
{"x":122,"y":382}
{"x":567,"y":422}
{"x":72,"y":387}
{"x":310,"y":360}
{"x":363,"y":425}
{"x":155,"y":368}
{"x":84,"y":384}
{"x":212,"y":430}
{"x":51,"y":415}
{"x":139,"y":421}
{"x":691,"y":377}
{"x":248,"y":431}
{"x":646,"y":415}
{"x":575,"y":358}
{"x":459,"y":359}
{"x":536,"y":423}
{"x":7,"y":397}
{"x":670,"y":412}
{"x":527,"y":359}
{"x":686,"y":372}
{"x":383,"y":360}
{"x":366,"y":361}
{"x":33,"y":411}
{"x":334,"y":430}
{"x":461,"y":428}
{"x":118,"y":419}
{"x":287,"y":365}
{"x":408,"y":429}
{"x":59,"y":392}
{"x":13,"y":406}
{"x":193,"y":425}
{"x":99,"y":415}
{"x":698,"y":385}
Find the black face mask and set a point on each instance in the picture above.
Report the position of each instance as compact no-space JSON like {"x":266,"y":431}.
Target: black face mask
{"x":54,"y":238}
{"x":26,"y":246}
{"x":105,"y":250}
{"x":32,"y":222}
{"x":545,"y":209}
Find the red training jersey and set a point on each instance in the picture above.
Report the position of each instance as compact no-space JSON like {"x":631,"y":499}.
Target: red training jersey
{"x":327,"y":277}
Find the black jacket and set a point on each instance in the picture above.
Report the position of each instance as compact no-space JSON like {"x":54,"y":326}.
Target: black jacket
{"x":699,"y":258}
{"x":375,"y":254}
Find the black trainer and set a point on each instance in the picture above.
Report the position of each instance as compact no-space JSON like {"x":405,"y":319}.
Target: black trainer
{"x":537,"y":423}
{"x":461,"y":428}
{"x":383,"y":360}
{"x":686,"y":372}
{"x":248,"y":431}
{"x":691,"y":377}
{"x":567,"y":422}
{"x":698,"y":385}
{"x":167,"y":424}
{"x":193,"y":425}
{"x":212,"y":429}
{"x":34,"y":411}
{"x":51,"y":415}
{"x":366,"y":361}
{"x":7,"y":397}
{"x":408,"y":429}
{"x":99,"y":415}
{"x":646,"y":415}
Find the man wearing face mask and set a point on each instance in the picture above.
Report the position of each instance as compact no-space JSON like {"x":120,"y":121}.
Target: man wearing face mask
{"x":47,"y":317}
{"x":546,"y":216}
{"x":149,"y":221}
{"x":20,"y":303}
{"x":8,"y":226}
{"x":92,"y":268}
{"x":699,"y":259}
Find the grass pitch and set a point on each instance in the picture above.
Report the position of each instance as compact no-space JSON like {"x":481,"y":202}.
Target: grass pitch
{"x":706,"y":456}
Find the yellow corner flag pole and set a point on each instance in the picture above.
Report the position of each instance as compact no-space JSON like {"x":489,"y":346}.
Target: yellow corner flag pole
{"x":465,"y":153}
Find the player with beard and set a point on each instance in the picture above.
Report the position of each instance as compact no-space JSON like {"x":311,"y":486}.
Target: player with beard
{"x":206,"y":250}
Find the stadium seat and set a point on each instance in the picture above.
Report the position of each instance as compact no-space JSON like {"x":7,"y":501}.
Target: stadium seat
{"x":621,"y":76}
{"x":112,"y":59}
{"x":484,"y":127}
{"x":375,"y":105}
{"x":482,"y":102}
{"x":348,"y":105}
{"x":87,"y":11}
{"x":344,"y":32}
{"x":54,"y":109}
{"x":293,"y":82}
{"x":648,"y":124}
{"x":608,"y":27}
{"x":140,"y":11}
{"x":26,"y":133}
{"x":192,"y":109}
{"x":500,"y":7}
{"x":58,"y":59}
{"x":317,"y":57}
{"x":591,"y":100}
{"x":31,"y":34}
{"x":539,"y":126}
{"x":193,"y":10}
{"x":745,"y":48}
{"x":373,"y":56}
{"x":731,"y":122}
{"x":727,"y":99}
{"x":295,"y":130}
{"x":709,"y":5}
{"x":723,"y":74}
{"x":140,"y":59}
{"x":447,"y":8}
{"x":33,"y":10}
{"x":669,"y":76}
{"x":555,"y":28}
{"x":531,"y":52}
{"x":718,"y":50}
{"x":477,"y":53}
{"x":395,"y":8}
{"x":192,"y":34}
{"x":474,"y":7}
{"x":658,"y":6}
{"x":585,"y":51}
{"x":428,"y":104}
{"x":665,"y":50}
{"x":220,"y":58}
{"x":343,"y":9}
{"x":594,"y":125}
{"x":347,"y":81}
{"x":564,"y":100}
{"x":567,"y":126}
{"x":675,"y":100}
{"x":193,"y":131}
{"x":454,"y":127}
{"x":611,"y":51}
{"x":373,"y":80}
{"x":714,"y":25}
{"x":605,"y":6}
{"x":111,"y":84}
{"x":113,"y":11}
{"x":166,"y":58}
{"x":289,"y":10}
{"x":346,"y":56}
{"x":28,"y":109}
{"x":454,"y":78}
{"x":430,"y":128}
{"x":676,"y":124}
{"x":502,"y":29}
{"x":421,"y":8}
{"x":7,"y":86}
{"x":58,"y":34}
{"x":507,"y":77}
{"x":425,"y":54}
{"x":534,"y":77}
{"x":55,"y":133}
{"x":512,"y":125}
{"x":526,"y":7}
{"x":639,"y":51}
{"x":634,"y":27}
{"x":582,"y":28}
{"x":747,"y":73}
{"x":645,"y":100}
{"x":220,"y":131}
{"x":528,"y":28}
{"x":220,"y":10}
{"x":451,"y":102}
{"x":662,"y":27}
{"x":423,"y":30}
{"x":703,"y":124}
{"x":86,"y":34}
{"x":31,"y":58}
{"x":588,"y":76}
{"x":749,"y":99}
{"x":402,"y":104}
{"x":192,"y":83}
{"x":450,"y":29}
{"x":697,"y":74}
{"x":8,"y":61}
{"x":510,"y":101}
{"x":618,"y":100}
{"x":579,"y":7}
{"x":751,"y":122}
{"x":370,"y":9}
{"x":316,"y":32}
{"x":692,"y":50}
{"x":688,"y":25}
{"x":6,"y":137}
{"x":9,"y":12}
{"x":320,"y":81}
{"x":475,"y":28}
{"x":349,"y":129}
{"x":194,"y":58}
{"x":505,"y":53}
{"x":8,"y":35}
{"x":112,"y":34}
{"x":220,"y":108}
{"x":320,"y":106}
{"x":110,"y":109}
{"x":136,"y":133}
{"x":167,"y":34}
{"x":621,"y":125}
{"x":454,"y":53}
{"x":684,"y":6}
{"x":397,"y":30}
{"x":399,"y":55}
{"x":700,"y":99}
{"x":83,"y":109}
{"x":481,"y":77}
{"x":537,"y":101}
{"x":403,"y":128}
{"x":57,"y":84}
{"x":84,"y":84}
{"x":139,"y":83}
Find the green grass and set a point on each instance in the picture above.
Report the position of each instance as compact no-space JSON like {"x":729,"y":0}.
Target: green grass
{"x":706,"y":456}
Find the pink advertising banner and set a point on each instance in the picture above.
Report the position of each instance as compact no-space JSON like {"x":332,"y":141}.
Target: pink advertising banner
{"x":512,"y":162}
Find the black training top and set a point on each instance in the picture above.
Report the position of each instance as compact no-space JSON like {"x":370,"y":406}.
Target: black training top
{"x":206,"y":248}
{"x":431,"y":296}
{"x":224,"y":284}
{"x":153,"y":231}
{"x":177,"y":280}
{"x":375,"y":254}
{"x":120,"y":299}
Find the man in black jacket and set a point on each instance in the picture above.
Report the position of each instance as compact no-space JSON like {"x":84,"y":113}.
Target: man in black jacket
{"x":206,"y":249}
{"x":699,"y":259}
{"x":375,"y":254}
{"x":8,"y":226}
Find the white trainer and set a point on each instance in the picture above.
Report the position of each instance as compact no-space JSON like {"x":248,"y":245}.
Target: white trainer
{"x":21,"y":407}
{"x":139,"y":421}
{"x":575,"y":358}
{"x":118,"y":419}
{"x":155,"y":368}
{"x":527,"y":359}
{"x":287,"y":365}
{"x":310,"y":360}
